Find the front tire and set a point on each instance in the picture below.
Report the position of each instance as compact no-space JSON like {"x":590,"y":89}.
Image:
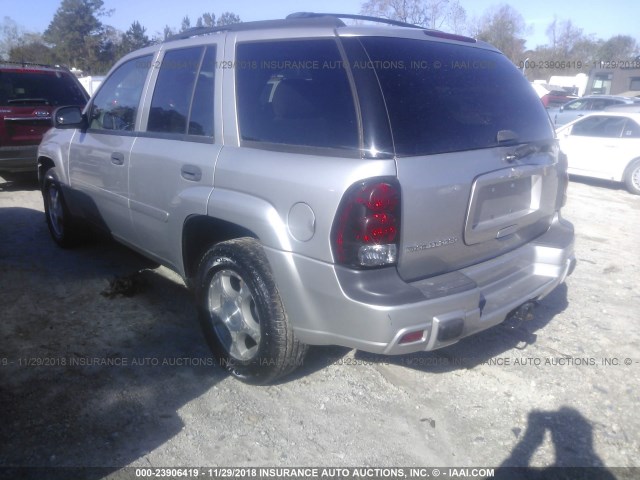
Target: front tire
{"x":242,"y":315}
{"x":632,"y":177}
{"x":64,"y":229}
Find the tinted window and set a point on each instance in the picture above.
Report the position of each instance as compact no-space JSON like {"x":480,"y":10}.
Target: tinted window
{"x":598,"y":104}
{"x":19,"y":87}
{"x":599,"y":126}
{"x":116,"y":104}
{"x":180,"y":76}
{"x":201,"y":119}
{"x":444,"y":98}
{"x":578,"y":105}
{"x":295,"y":93}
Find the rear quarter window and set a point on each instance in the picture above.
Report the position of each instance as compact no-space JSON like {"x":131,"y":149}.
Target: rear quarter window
{"x":444,"y":97}
{"x":295,"y":93}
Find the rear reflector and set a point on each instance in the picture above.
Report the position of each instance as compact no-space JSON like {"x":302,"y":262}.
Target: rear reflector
{"x":412,"y":337}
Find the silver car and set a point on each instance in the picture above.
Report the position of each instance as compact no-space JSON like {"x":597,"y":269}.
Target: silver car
{"x":316,"y":183}
{"x":579,"y":107}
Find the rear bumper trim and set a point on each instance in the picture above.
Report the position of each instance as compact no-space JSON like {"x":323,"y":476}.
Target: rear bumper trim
{"x":445,"y":308}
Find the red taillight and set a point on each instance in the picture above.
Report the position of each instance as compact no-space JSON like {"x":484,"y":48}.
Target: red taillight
{"x":378,"y":228}
{"x":379,"y":197}
{"x":365,"y":232}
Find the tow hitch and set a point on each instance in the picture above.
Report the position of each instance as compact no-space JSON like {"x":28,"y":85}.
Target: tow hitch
{"x":521,"y":314}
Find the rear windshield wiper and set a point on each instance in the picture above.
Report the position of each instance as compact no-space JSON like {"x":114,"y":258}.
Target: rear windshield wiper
{"x":509,"y":136}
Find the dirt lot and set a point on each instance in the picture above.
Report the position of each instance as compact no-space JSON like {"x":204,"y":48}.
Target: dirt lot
{"x":92,"y":379}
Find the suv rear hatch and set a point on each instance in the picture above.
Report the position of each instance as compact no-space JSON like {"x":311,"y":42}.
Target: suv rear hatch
{"x":28,"y":96}
{"x":23,"y":125}
{"x":476,"y":156}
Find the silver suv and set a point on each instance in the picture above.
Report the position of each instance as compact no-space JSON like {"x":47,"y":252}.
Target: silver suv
{"x":391,"y":189}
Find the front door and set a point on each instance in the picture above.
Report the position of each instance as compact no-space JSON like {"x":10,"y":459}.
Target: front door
{"x":99,"y":159}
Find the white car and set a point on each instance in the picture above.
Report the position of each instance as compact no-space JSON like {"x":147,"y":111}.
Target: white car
{"x":604,"y":145}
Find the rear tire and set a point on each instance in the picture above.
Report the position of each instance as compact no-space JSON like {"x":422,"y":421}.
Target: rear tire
{"x":242,"y":315}
{"x":632,"y":177}
{"x":65,"y":230}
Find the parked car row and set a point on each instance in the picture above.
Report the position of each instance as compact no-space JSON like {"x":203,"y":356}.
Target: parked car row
{"x":590,"y":103}
{"x":600,"y":135}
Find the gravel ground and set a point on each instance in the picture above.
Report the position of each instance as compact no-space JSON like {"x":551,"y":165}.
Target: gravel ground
{"x":92,"y":377}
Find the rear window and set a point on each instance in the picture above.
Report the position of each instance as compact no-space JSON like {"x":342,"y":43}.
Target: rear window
{"x":444,"y":98}
{"x":23,"y":88}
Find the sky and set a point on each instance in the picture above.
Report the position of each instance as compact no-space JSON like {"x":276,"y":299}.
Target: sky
{"x":606,"y":19}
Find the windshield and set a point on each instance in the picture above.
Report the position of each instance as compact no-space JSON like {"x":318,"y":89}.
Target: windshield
{"x":444,"y":97}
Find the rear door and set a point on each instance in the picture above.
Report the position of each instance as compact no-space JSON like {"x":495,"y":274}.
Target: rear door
{"x":172,"y":163}
{"x":99,"y":158}
{"x":476,"y":156}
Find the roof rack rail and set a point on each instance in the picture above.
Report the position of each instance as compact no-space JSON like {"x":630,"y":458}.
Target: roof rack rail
{"x":195,"y":31}
{"x":302,"y":21}
{"x":352,"y":16}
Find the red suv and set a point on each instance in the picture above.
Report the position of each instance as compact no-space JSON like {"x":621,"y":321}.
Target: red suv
{"x":28,"y":95}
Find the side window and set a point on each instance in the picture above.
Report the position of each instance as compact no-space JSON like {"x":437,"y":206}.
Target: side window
{"x":201,"y":118}
{"x":577,"y":105}
{"x":183,"y":96}
{"x":116,"y":104}
{"x":600,"y":126}
{"x":599,"y":104}
{"x":631,"y":129}
{"x":587,"y":127}
{"x":295,"y":93}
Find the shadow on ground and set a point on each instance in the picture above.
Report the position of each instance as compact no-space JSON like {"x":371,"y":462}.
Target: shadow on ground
{"x":572,"y":437}
{"x":19,"y":182}
{"x":597,"y":182}
{"x":89,"y":380}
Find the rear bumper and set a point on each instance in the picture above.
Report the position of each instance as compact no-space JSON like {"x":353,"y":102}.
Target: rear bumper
{"x":18,"y":159}
{"x":374,"y":310}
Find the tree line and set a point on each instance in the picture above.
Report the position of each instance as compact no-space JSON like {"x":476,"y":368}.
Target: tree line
{"x":569,"y":51}
{"x":79,"y":37}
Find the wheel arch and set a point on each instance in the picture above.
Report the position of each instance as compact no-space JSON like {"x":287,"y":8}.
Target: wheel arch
{"x":44,"y":164}
{"x":200,"y":232}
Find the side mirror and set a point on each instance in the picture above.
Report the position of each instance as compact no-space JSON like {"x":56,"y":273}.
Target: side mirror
{"x":69,"y":117}
{"x":562,"y":108}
